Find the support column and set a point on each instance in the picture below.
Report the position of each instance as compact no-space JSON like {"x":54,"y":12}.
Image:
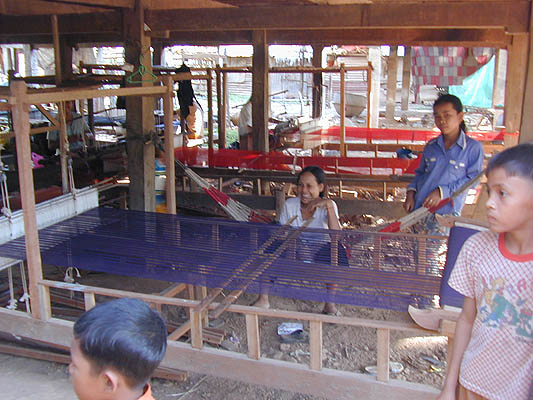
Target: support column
{"x":374,"y":56}
{"x":392,"y":74}
{"x":158,"y":51}
{"x":406,"y":78}
{"x":317,"y":81}
{"x":139,"y":115}
{"x":516,"y":81}
{"x":40,"y":302}
{"x":260,"y":100}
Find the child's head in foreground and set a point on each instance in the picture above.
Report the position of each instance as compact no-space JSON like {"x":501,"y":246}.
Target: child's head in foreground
{"x":510,"y":189}
{"x":117,"y":346}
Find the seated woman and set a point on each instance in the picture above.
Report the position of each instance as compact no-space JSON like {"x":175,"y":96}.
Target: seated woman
{"x":311,"y":202}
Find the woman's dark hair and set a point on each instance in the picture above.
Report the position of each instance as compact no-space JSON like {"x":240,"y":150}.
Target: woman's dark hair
{"x":455,"y":102}
{"x":516,"y":161}
{"x":319,"y":175}
{"x":125,"y":335}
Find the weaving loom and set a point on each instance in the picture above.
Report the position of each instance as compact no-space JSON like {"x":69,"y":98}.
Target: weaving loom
{"x":380,"y":270}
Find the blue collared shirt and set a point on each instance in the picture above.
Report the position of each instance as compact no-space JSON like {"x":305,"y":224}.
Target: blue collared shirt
{"x":447,"y":170}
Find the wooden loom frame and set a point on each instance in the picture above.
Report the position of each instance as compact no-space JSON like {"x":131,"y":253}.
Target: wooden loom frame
{"x":250,"y":368}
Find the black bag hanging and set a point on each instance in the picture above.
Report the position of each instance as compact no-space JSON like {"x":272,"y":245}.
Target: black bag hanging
{"x":185,"y":93}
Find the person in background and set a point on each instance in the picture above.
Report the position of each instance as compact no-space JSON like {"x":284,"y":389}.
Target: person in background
{"x":492,"y":356}
{"x":76,"y":128}
{"x":116,"y":348}
{"x":312,"y":203}
{"x":448,"y":161}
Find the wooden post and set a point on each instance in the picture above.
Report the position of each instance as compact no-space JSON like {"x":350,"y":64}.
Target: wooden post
{"x":57,"y":51}
{"x":196,"y":329}
{"x":260,"y":100}
{"x":406,"y":78}
{"x":526,"y":128}
{"x":280,"y":201}
{"x":168,"y":109}
{"x":317,"y":81}
{"x":221,"y":111}
{"x":392,"y":73}
{"x":343,"y":112}
{"x":210,"y":137}
{"x":63,"y":146}
{"x":383,"y":355}
{"x":374,"y":56}
{"x":226,"y":106}
{"x":516,"y":81}
{"x":315,"y":345}
{"x":90,"y":114}
{"x":139,"y":114}
{"x":252,"y":335}
{"x":40,"y":302}
{"x":90,"y":300}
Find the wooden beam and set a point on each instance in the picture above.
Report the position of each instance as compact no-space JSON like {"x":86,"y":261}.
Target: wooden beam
{"x":383,"y":350}
{"x":513,"y":16}
{"x":315,"y":345}
{"x":493,"y":37}
{"x":343,"y":111}
{"x":260,"y":86}
{"x":515,"y":83}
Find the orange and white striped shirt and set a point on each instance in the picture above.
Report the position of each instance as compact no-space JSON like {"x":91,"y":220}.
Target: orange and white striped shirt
{"x":498,"y":362}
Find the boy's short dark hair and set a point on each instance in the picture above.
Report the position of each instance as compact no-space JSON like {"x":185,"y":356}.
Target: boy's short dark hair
{"x":124,"y":335}
{"x":516,"y":161}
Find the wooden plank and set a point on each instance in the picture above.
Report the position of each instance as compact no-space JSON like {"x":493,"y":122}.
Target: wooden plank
{"x":40,"y":304}
{"x":383,"y":356}
{"x":315,"y":345}
{"x":90,"y":300}
{"x":252,"y":336}
{"x":464,"y":14}
{"x":44,"y":96}
{"x":260,"y":86}
{"x":247,"y":310}
{"x":168,"y":109}
{"x":469,"y":37}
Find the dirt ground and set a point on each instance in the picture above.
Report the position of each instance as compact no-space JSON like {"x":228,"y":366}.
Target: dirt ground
{"x":345,"y":348}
